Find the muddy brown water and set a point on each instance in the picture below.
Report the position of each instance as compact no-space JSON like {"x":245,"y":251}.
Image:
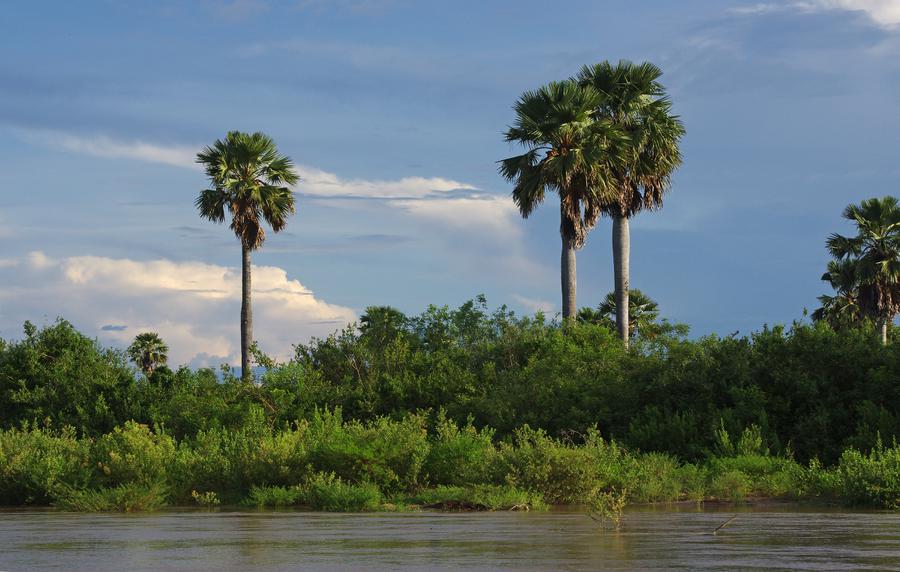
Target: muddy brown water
{"x":659,"y":539}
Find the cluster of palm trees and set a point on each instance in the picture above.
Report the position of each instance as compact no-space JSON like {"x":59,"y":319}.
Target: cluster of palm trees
{"x":865,"y":271}
{"x":606,"y":142}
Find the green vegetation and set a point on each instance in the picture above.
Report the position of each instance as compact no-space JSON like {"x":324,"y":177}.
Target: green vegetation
{"x":329,"y":465}
{"x":460,"y":408}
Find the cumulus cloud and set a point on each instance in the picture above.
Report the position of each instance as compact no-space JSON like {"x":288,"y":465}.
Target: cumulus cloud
{"x":884,"y":13}
{"x":194,"y":306}
{"x":484,"y":214}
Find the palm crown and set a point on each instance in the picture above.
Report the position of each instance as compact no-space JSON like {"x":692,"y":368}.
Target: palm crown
{"x":567,"y":152}
{"x":249,"y":178}
{"x":634,"y":101}
{"x":148,"y":351}
{"x":872,"y":257}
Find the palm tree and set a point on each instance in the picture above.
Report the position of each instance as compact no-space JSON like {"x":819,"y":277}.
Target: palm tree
{"x":567,"y":152}
{"x":249,"y":179}
{"x":148,"y":351}
{"x":875,"y":256}
{"x":643,"y":311}
{"x":634,"y":101}
{"x":842,"y":309}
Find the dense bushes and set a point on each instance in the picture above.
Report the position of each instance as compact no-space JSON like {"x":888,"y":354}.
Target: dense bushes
{"x":331,"y":464}
{"x":458,"y":399}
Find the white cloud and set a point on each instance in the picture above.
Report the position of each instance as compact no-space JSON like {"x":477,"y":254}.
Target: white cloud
{"x":483,"y":214}
{"x":884,"y":13}
{"x":535,"y":304}
{"x":313,"y":181}
{"x":192,"y":305}
{"x":103,"y":146}
{"x":319,"y":183}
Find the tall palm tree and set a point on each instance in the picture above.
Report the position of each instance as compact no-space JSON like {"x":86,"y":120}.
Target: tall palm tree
{"x":148,"y":351}
{"x":633,"y":100}
{"x":569,"y":153}
{"x":249,"y":179}
{"x":875,"y":254}
{"x":842,"y":309}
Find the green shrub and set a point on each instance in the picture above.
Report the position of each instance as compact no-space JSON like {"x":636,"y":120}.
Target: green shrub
{"x":326,"y":491}
{"x":208,"y":498}
{"x":734,"y":485}
{"x":128,"y":497}
{"x":387,"y":453}
{"x":133,"y":454}
{"x":460,"y":455}
{"x":561,"y":474}
{"x":870,"y":479}
{"x":480,"y":497}
{"x":275,"y":496}
{"x":35,"y":462}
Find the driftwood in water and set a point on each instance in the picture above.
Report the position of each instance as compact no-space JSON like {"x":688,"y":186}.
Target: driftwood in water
{"x":724,"y":524}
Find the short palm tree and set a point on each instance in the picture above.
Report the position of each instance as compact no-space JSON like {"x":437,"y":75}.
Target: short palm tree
{"x":842,"y":309}
{"x":875,"y":255}
{"x":148,"y":351}
{"x":634,"y":101}
{"x":250,"y":180}
{"x":642,"y":313}
{"x":567,"y":152}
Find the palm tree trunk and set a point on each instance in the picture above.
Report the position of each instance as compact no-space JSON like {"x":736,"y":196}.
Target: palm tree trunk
{"x":246,"y":313}
{"x":883,"y":328}
{"x":621,"y":243}
{"x":568,"y":275}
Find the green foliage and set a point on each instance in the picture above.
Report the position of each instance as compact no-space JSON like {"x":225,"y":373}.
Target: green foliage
{"x":463,"y":398}
{"x":460,"y":455}
{"x":209,"y":498}
{"x":274,"y":496}
{"x":34,"y":463}
{"x":327,"y":491}
{"x":59,"y":376}
{"x":130,"y":497}
{"x":133,"y":454}
{"x":478,"y":497}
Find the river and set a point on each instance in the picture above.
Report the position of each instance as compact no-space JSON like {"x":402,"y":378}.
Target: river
{"x":224,"y":541}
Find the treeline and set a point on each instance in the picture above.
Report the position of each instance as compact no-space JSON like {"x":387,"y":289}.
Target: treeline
{"x":811,"y":391}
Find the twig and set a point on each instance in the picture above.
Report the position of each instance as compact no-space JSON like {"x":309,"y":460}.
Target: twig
{"x":724,"y":524}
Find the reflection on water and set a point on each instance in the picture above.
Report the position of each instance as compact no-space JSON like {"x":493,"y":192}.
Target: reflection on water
{"x":270,"y":541}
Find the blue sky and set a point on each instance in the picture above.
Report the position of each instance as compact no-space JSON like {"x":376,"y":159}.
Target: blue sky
{"x":394,"y":111}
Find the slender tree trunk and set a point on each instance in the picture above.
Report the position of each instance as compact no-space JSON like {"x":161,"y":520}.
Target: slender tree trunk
{"x":883,"y":328}
{"x":568,"y":276}
{"x":246,"y":313}
{"x":621,"y":243}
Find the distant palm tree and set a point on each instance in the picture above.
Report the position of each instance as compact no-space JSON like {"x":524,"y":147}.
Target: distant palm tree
{"x":249,"y":179}
{"x":643,"y":311}
{"x":148,"y":351}
{"x":842,"y":309}
{"x":634,"y":101}
{"x":875,"y":255}
{"x":569,"y":153}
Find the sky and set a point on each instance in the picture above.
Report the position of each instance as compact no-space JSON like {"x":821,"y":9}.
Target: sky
{"x":394,"y":112}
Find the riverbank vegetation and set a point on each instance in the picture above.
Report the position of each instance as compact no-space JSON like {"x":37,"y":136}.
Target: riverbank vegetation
{"x":458,"y":408}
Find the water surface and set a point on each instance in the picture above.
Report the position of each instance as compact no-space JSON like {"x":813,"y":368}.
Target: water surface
{"x":224,"y":541}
